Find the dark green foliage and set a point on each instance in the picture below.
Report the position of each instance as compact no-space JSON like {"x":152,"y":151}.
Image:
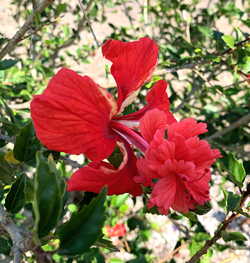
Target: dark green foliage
{"x":233,"y":236}
{"x":84,"y":227}
{"x":233,"y":201}
{"x":7,"y":63}
{"x":26,"y":144}
{"x":5,"y":246}
{"x":15,"y":199}
{"x":49,"y":189}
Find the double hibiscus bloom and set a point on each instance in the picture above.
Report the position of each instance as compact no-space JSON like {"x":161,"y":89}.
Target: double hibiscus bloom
{"x":75,"y":115}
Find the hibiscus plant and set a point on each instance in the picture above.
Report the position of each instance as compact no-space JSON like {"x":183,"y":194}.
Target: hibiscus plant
{"x":143,"y":147}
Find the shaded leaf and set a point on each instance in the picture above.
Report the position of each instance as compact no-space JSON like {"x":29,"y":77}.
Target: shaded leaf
{"x":15,"y":199}
{"x":104,"y":243}
{"x":26,"y":144}
{"x":203,"y":209}
{"x":140,"y":259}
{"x":233,"y":236}
{"x":7,"y":63}
{"x":84,"y":227}
{"x":48,"y":195}
{"x":7,"y":171}
{"x":233,"y":201}
{"x":5,"y":246}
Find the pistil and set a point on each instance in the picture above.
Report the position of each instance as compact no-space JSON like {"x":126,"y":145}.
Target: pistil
{"x":129,"y":135}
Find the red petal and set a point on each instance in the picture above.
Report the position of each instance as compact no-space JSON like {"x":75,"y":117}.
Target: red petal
{"x":164,"y":192}
{"x":95,"y":176}
{"x":199,"y":187}
{"x":133,"y":64}
{"x":183,"y":200}
{"x":187,"y":128}
{"x":157,"y":98}
{"x":73,"y":115}
{"x":151,"y":122}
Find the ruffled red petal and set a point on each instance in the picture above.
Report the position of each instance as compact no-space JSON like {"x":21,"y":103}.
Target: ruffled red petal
{"x":151,"y":122}
{"x":73,"y":115}
{"x":164,"y":192}
{"x":188,"y":128}
{"x":95,"y":176}
{"x":133,"y":64}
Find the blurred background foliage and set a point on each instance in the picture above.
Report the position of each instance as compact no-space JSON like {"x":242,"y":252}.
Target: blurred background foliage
{"x":204,"y":56}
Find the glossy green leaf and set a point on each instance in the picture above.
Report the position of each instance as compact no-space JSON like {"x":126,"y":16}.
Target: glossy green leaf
{"x":26,"y":144}
{"x":7,"y":63}
{"x":229,"y":40}
{"x":48,"y":195}
{"x":237,"y":171}
{"x":233,"y":201}
{"x":83,"y":228}
{"x":15,"y":199}
{"x":233,"y":236}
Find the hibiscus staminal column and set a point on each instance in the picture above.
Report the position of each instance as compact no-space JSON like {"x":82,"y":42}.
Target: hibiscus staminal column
{"x":129,"y":135}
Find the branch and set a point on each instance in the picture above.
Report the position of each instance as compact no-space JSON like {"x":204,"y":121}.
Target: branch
{"x":204,"y":61}
{"x":26,"y":26}
{"x":243,"y":120}
{"x":20,"y":237}
{"x":85,"y":17}
{"x":219,"y":231}
{"x":72,"y":38}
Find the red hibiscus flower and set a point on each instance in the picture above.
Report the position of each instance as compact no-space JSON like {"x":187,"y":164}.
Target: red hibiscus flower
{"x":75,"y":115}
{"x":118,"y":230}
{"x":176,"y":163}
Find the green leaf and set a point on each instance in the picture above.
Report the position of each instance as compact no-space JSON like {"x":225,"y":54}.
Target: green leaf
{"x":7,"y":171}
{"x":233,"y":236}
{"x":93,"y":256}
{"x":140,"y":259}
{"x":195,"y":246}
{"x":26,"y":144}
{"x":84,"y":227}
{"x":104,"y":243}
{"x":48,"y":195}
{"x":233,"y":201}
{"x":116,"y":157}
{"x":244,"y":64}
{"x":7,"y":63}
{"x":191,"y":216}
{"x":239,"y":210}
{"x":5,"y":246}
{"x":9,"y":112}
{"x":237,"y":171}
{"x":229,"y":40}
{"x":203,"y":209}
{"x":15,"y":199}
